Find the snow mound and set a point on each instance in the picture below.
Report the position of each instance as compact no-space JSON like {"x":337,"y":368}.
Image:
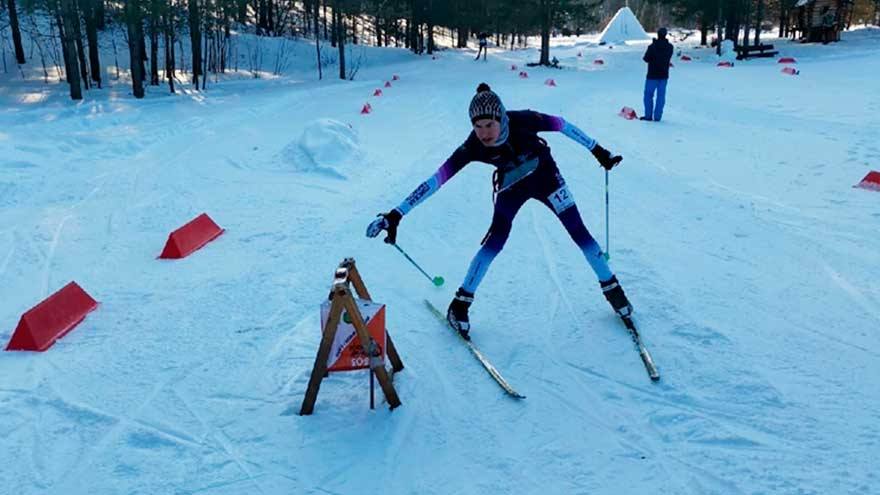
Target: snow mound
{"x":326,"y":146}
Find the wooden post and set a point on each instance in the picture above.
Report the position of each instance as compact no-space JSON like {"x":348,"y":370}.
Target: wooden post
{"x":319,"y":371}
{"x":341,"y":299}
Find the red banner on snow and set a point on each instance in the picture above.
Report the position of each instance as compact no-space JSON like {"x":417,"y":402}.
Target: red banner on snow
{"x":870,"y":182}
{"x":191,"y":237}
{"x":51,"y":319}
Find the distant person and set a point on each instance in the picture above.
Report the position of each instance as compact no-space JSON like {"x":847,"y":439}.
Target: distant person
{"x":483,"y":39}
{"x":827,"y":25}
{"x":524,"y":170}
{"x":657,"y":56}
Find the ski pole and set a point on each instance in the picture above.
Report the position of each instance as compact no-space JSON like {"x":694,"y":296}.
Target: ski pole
{"x":437,"y":281}
{"x":607,"y":237}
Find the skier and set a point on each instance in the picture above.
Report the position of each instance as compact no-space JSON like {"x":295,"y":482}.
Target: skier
{"x":657,"y":56}
{"x":483,"y":39}
{"x":524,"y":170}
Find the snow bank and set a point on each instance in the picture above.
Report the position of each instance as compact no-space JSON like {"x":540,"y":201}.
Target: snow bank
{"x":326,"y":146}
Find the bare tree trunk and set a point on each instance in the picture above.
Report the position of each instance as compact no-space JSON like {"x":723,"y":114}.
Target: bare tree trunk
{"x":462,"y":37}
{"x":339,"y":28}
{"x":143,"y":43}
{"x":195,"y":37}
{"x":704,"y":30}
{"x":169,"y":45}
{"x":430,"y":27}
{"x":324,"y":18}
{"x":89,"y":15}
{"x":154,"y":42}
{"x":318,"y":42}
{"x":270,"y":16}
{"x":731,"y":29}
{"x":80,"y":50}
{"x":134,"y":20}
{"x":16,"y":32}
{"x":545,"y":32}
{"x":68,"y":41}
{"x":759,"y":18}
{"x":99,"y":15}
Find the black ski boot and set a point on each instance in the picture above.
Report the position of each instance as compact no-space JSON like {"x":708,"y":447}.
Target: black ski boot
{"x":614,"y":293}
{"x":457,"y":314}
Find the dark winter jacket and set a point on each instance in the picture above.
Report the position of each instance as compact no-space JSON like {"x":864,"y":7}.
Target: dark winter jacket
{"x":523,"y":147}
{"x":658,"y":56}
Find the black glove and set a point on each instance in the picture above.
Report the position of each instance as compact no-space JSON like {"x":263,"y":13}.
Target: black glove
{"x":605,"y":158}
{"x":387,"y":222}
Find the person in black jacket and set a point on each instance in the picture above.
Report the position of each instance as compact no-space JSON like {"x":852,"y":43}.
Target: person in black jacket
{"x":657,"y":56}
{"x":483,"y":39}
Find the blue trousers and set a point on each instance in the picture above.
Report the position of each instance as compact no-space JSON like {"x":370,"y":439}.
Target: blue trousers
{"x":652,"y":111}
{"x":547,"y":186}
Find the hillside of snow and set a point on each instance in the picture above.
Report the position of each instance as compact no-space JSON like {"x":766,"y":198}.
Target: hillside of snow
{"x":752,"y":263}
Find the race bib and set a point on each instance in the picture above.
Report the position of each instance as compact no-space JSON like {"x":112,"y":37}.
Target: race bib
{"x":561,"y":199}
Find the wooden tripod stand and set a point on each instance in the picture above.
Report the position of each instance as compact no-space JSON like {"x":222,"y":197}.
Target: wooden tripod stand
{"x":341,"y":299}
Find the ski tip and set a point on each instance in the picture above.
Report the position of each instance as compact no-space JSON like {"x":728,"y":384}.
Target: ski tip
{"x":655,"y":378}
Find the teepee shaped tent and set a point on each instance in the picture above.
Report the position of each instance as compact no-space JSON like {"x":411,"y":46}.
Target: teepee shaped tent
{"x":623,"y":27}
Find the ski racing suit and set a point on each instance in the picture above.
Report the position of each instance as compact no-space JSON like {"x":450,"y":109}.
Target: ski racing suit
{"x":524,"y":170}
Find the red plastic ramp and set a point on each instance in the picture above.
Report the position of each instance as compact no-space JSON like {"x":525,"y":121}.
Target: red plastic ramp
{"x":871,"y":181}
{"x":191,"y":237}
{"x":51,"y":319}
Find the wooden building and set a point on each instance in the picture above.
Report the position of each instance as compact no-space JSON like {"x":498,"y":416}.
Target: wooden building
{"x":821,"y":20}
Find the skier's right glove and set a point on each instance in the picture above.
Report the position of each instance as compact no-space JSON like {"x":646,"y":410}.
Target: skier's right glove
{"x":605,"y":158}
{"x":387,"y":222}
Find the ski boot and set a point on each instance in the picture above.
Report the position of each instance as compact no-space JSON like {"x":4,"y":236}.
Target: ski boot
{"x":615,"y":296}
{"x":457,"y":314}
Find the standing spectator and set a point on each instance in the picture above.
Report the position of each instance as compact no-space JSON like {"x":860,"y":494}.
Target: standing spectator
{"x":827,"y":25}
{"x":484,"y":43}
{"x":657,"y":56}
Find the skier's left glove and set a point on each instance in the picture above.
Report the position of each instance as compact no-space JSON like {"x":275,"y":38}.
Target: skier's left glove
{"x":387,"y":222}
{"x":605,"y":158}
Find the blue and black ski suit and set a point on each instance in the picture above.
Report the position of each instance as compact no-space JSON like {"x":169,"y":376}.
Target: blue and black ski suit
{"x":525,"y":170}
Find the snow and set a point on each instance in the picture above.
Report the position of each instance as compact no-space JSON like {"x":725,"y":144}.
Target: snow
{"x":326,"y":145}
{"x":750,"y":259}
{"x":624,"y":26}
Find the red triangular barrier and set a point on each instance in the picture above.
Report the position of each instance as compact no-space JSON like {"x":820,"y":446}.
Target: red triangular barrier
{"x":51,"y":319}
{"x":189,"y":238}
{"x":387,"y":84}
{"x":550,"y":82}
{"x":686,"y":58}
{"x":791,"y":71}
{"x":523,"y":74}
{"x":395,"y":77}
{"x":628,"y":113}
{"x":787,"y":60}
{"x":513,"y":67}
{"x":366,"y":109}
{"x":378,"y":92}
{"x":598,"y":61}
{"x":870,"y":182}
{"x":725,"y":64}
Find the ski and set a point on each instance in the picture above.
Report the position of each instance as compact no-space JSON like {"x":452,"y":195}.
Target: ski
{"x":493,"y":372}
{"x":650,"y":367}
